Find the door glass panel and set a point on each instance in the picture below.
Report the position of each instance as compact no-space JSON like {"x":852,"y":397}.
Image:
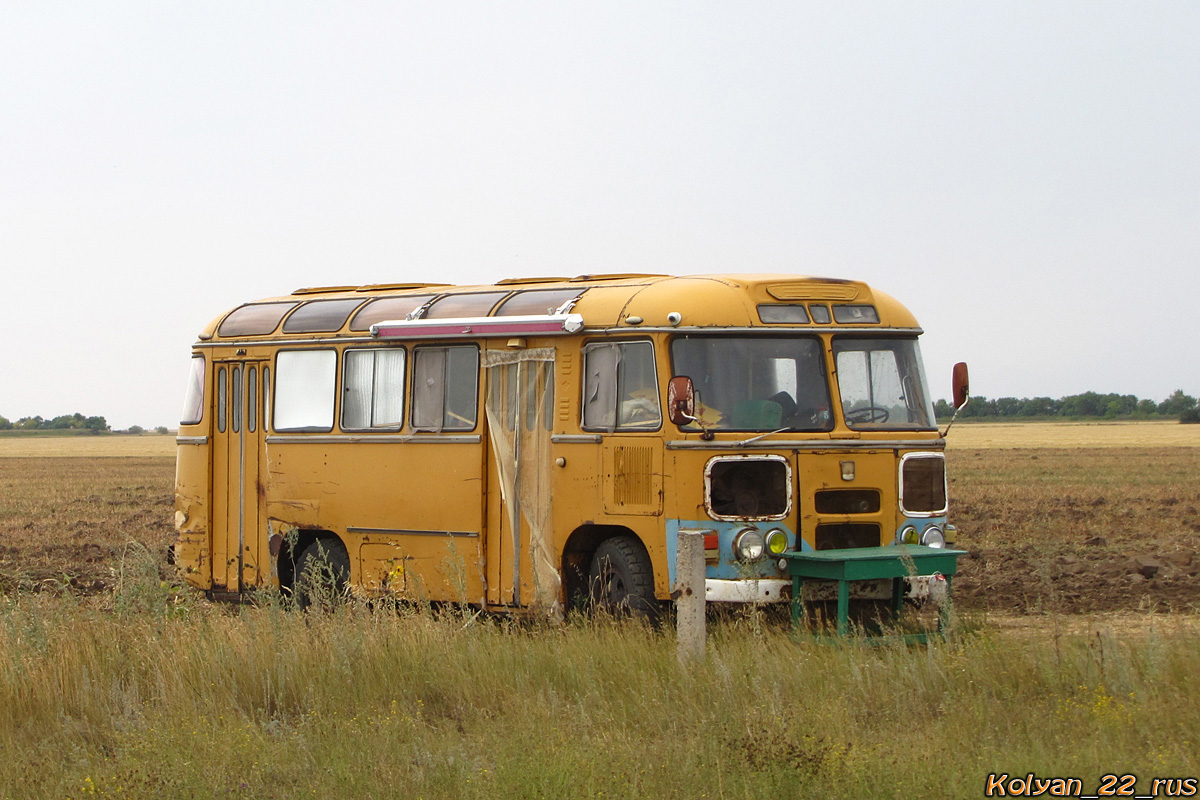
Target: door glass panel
{"x":252,"y":399}
{"x":221,"y":400}
{"x":235,"y":400}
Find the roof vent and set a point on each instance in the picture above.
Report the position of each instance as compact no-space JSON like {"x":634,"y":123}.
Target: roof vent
{"x":808,"y":290}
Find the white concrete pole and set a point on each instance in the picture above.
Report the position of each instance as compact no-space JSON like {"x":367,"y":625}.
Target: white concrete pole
{"x":690,"y":622}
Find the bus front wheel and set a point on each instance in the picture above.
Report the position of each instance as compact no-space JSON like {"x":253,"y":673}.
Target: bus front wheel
{"x":621,"y":578}
{"x":322,"y":573}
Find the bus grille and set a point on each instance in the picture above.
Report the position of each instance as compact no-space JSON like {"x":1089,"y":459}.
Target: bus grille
{"x":846,"y":535}
{"x":847,"y":501}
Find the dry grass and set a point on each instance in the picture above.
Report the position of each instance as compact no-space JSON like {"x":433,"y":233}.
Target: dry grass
{"x":114,"y":683}
{"x":149,"y":698}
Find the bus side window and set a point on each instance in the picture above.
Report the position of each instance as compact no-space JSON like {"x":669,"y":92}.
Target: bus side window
{"x":620,"y":387}
{"x":373,"y":389}
{"x":445,"y":388}
{"x":304,"y":390}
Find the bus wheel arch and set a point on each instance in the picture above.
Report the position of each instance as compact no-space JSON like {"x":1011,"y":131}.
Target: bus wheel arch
{"x":316,"y":567}
{"x":609,"y":566}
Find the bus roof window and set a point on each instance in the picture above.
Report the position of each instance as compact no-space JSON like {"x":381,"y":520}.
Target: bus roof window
{"x":538,"y":301}
{"x":771,"y":313}
{"x":820,"y":314}
{"x":387,"y":309}
{"x":452,"y":306}
{"x":254,"y":319}
{"x":321,"y":316}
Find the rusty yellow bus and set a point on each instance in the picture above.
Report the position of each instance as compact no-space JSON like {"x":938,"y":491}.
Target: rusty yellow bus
{"x":538,"y":443}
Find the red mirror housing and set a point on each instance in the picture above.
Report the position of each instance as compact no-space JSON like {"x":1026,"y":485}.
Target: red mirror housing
{"x":681,"y":400}
{"x":962,"y":385}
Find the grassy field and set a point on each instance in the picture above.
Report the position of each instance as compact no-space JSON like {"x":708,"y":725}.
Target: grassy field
{"x":116,"y":682}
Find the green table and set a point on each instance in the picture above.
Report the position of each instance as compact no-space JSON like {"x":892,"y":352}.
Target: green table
{"x":866,"y":564}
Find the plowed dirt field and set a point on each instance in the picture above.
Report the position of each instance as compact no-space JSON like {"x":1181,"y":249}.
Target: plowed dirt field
{"x":1057,"y":518}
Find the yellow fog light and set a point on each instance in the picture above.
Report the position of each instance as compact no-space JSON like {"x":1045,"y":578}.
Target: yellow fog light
{"x":909,"y":536}
{"x":777,"y":541}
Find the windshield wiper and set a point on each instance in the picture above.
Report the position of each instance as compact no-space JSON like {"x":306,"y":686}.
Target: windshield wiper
{"x":753,"y":439}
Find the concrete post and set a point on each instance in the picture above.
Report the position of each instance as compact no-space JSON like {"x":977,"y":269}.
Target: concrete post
{"x":690,"y":622}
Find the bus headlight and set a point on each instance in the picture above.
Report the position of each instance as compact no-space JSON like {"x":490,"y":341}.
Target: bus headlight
{"x":932,"y":537}
{"x":908,"y":535}
{"x":777,"y":541}
{"x":748,"y":546}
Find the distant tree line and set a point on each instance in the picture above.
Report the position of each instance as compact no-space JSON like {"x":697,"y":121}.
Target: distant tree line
{"x":1087,"y":405}
{"x":65,"y":422}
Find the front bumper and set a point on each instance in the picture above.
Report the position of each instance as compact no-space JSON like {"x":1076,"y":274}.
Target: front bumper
{"x":763,"y":590}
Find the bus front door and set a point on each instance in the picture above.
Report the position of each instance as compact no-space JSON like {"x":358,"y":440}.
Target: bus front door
{"x":237,"y":459}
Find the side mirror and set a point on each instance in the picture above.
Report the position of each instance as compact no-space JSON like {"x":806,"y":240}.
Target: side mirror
{"x":962,"y":385}
{"x":681,"y":400}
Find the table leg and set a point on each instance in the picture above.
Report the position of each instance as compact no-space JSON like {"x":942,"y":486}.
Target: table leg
{"x":797,"y":601}
{"x":843,"y":612}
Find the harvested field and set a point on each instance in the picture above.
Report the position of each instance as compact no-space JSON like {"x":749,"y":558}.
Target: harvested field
{"x":145,"y":446}
{"x":66,"y":523}
{"x":1037,"y":435}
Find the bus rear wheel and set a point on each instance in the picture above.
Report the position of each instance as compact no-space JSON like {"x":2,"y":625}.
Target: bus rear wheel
{"x":322,"y":573}
{"x":621,"y":578}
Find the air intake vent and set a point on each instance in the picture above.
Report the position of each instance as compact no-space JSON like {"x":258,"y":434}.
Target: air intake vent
{"x":632,"y":468}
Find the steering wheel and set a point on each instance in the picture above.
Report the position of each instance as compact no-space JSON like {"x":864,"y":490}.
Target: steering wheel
{"x":867,"y":414}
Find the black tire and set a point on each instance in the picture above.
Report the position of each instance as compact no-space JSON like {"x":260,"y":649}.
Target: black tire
{"x":621,"y":578}
{"x":322,"y":574}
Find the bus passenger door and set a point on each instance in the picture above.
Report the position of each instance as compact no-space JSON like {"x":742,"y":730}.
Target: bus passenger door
{"x":237,"y":458}
{"x":522,"y":568}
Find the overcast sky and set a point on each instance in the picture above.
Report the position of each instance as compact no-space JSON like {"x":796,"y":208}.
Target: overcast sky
{"x":1024,"y":175}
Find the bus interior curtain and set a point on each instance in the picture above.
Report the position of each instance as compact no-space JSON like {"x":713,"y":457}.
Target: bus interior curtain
{"x":519,"y":431}
{"x":429,"y":388}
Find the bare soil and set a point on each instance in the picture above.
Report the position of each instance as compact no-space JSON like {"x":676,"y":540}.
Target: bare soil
{"x":1049,"y":530}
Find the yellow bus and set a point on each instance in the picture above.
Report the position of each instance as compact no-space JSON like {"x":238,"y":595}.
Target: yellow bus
{"x":539,"y":443}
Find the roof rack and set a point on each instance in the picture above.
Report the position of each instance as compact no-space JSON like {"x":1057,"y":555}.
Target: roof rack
{"x":325,"y":289}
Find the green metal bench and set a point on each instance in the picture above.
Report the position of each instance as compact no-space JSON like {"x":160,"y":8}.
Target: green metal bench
{"x":896,"y":562}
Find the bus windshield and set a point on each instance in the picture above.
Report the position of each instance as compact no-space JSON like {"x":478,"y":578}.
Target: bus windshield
{"x":882,"y":384}
{"x":756,"y":383}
